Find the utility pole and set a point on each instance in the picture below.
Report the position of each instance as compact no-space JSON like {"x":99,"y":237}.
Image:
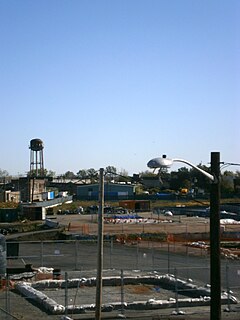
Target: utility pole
{"x":100,"y":247}
{"x":215,"y":256}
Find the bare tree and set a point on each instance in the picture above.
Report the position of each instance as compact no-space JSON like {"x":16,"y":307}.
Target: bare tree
{"x":3,"y":175}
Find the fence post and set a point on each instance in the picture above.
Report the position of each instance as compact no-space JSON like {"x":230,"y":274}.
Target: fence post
{"x":137,"y":256}
{"x":176,"y":290}
{"x":152,"y":257}
{"x":122,"y":293}
{"x":41,"y":254}
{"x":66,"y":293}
{"x":111,"y":251}
{"x":76,"y":254}
{"x":228,"y":289}
{"x":168,"y":259}
{"x":7,"y":298}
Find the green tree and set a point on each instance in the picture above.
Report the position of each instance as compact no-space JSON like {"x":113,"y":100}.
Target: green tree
{"x":198,"y":179}
{"x":180,"y":179}
{"x":92,"y":174}
{"x":147,"y":173}
{"x":69,"y":175}
{"x":82,"y":175}
{"x":110,"y":170}
{"x":51,"y":173}
{"x":227,"y":182}
{"x":110,"y":173}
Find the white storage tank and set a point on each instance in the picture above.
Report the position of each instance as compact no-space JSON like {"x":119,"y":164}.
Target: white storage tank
{"x":3,"y":256}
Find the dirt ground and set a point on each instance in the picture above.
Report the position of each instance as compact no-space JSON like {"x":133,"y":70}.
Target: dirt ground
{"x":181,"y":230}
{"x":150,"y":223}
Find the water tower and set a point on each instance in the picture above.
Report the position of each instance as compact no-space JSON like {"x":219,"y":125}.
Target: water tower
{"x":36,"y":158}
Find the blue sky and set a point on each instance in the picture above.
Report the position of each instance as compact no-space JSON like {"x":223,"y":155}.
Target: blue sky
{"x":118,"y":82}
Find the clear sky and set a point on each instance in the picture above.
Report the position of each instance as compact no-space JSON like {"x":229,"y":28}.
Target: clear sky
{"x":118,"y":82}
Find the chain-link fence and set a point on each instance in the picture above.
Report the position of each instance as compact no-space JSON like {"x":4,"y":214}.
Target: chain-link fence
{"x":78,"y":259}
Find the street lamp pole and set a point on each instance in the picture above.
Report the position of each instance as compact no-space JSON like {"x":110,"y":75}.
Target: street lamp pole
{"x":100,"y":247}
{"x":215,"y":257}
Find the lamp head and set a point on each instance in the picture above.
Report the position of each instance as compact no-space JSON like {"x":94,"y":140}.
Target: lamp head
{"x":161,"y":162}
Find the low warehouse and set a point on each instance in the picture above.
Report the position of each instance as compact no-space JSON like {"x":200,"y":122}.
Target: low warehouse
{"x":112,"y":191}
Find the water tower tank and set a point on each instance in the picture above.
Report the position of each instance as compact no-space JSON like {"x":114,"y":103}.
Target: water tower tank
{"x":36,"y":145}
{"x":36,"y":157}
{"x":3,"y":256}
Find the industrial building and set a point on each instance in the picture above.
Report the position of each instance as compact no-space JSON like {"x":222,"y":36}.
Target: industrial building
{"x":112,"y":191}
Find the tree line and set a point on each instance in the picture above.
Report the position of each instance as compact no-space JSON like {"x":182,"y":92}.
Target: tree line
{"x":174,"y":180}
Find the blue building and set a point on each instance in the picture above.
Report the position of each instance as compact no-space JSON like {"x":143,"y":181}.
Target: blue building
{"x":112,"y":191}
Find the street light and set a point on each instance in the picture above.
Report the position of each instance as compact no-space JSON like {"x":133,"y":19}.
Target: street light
{"x":215,"y":262}
{"x":100,"y":247}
